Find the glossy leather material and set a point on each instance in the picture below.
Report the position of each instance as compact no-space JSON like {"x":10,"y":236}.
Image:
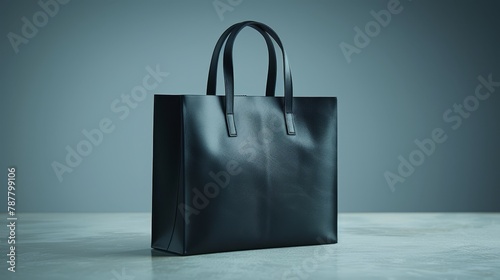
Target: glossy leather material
{"x":261,"y":188}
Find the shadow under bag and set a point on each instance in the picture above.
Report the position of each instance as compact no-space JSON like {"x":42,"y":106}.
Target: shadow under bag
{"x":243,"y":172}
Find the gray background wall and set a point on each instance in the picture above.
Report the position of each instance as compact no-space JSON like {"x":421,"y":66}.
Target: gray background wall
{"x":395,"y":90}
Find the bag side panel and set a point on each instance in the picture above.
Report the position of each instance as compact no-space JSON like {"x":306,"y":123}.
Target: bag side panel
{"x":166,"y":234}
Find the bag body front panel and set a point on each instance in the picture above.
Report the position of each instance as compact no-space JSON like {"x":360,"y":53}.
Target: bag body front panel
{"x":263,"y":188}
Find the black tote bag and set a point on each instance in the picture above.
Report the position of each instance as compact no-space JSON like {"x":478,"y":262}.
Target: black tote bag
{"x":243,"y":172}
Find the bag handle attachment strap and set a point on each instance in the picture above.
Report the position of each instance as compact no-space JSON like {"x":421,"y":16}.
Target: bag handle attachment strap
{"x":229,"y":78}
{"x":271,"y":71}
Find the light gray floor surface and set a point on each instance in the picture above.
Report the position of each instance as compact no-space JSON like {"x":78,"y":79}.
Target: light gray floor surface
{"x":371,"y":246}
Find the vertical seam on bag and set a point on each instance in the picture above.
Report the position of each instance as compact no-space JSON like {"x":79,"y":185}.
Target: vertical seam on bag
{"x":336,"y":171}
{"x":183,"y":173}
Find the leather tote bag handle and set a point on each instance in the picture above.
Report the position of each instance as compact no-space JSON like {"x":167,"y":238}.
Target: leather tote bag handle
{"x":229,"y":77}
{"x":271,"y":71}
